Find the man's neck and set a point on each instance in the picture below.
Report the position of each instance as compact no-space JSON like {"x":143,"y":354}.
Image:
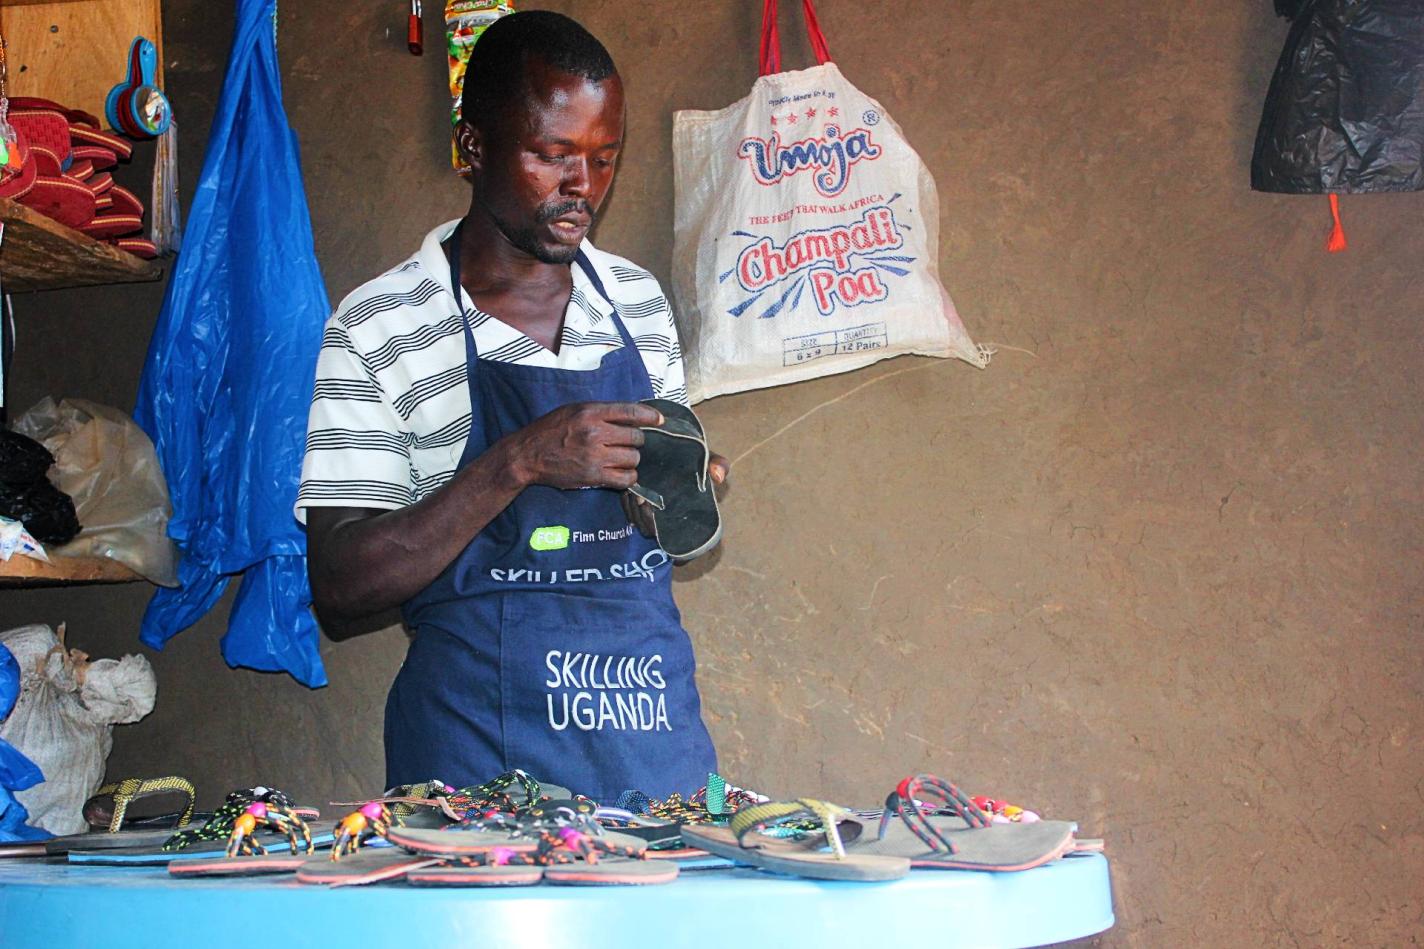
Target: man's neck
{"x":491,"y":265}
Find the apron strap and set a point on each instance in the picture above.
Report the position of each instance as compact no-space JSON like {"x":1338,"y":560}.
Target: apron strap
{"x":586,"y":266}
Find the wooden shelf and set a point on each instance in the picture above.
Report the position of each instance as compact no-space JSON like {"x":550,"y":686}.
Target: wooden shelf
{"x":22,"y":571}
{"x":39,"y":253}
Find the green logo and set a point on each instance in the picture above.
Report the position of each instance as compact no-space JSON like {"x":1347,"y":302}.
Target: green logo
{"x":549,"y":538}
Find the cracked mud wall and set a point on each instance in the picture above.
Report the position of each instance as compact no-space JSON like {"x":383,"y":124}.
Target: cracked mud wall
{"x":1157,"y":568}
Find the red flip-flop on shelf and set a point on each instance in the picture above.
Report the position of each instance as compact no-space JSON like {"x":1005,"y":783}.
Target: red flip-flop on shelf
{"x":138,"y":246}
{"x":69,"y":202}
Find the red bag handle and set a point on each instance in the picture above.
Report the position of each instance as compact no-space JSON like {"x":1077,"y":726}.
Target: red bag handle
{"x":771,"y":39}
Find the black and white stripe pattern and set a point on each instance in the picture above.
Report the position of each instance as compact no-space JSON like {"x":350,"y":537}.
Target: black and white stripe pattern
{"x":391,"y":409}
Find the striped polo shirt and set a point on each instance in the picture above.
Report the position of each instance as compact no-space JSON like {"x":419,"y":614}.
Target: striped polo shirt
{"x":390,"y":412}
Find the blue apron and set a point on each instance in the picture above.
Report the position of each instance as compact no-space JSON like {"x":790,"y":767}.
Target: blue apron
{"x":552,"y":642}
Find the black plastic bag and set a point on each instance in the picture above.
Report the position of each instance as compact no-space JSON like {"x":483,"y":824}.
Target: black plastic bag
{"x":1345,"y":111}
{"x":23,"y":460}
{"x":26,"y":494}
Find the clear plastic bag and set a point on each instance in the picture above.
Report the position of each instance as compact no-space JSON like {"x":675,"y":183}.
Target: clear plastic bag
{"x":106,"y":463}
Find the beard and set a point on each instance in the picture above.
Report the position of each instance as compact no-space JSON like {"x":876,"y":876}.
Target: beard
{"x":527,"y":238}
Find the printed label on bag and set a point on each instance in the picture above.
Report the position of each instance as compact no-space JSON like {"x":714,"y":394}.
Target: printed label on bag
{"x":845,"y":265}
{"x":801,"y":349}
{"x":829,"y":156}
{"x":642,"y":569}
{"x":549,"y":538}
{"x":591,"y":692}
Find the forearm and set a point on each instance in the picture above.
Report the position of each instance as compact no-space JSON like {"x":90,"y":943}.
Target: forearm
{"x":362,"y":565}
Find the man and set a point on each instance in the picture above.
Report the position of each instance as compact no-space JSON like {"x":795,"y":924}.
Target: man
{"x":466,"y":460}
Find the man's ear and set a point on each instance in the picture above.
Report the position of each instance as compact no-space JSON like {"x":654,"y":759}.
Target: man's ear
{"x":469,"y":143}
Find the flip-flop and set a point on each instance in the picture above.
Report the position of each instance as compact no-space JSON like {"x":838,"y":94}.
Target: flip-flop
{"x":19,"y":183}
{"x":62,"y":198}
{"x":226,"y":866}
{"x":370,"y":864}
{"x":742,"y":840}
{"x":611,"y":872}
{"x":112,"y":807}
{"x":968,"y":839}
{"x":214,"y":837}
{"x":425,"y":806}
{"x":247,"y":856}
{"x":457,"y":840}
{"x":156,"y":856}
{"x":673,"y":479}
{"x":469,"y":872}
{"x":138,"y":246}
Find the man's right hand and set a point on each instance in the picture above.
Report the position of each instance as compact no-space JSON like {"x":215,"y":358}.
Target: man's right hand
{"x":583,"y":445}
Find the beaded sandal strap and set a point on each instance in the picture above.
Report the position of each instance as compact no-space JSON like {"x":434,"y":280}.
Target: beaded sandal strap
{"x":903,"y":802}
{"x":838,"y":824}
{"x":219,"y":826}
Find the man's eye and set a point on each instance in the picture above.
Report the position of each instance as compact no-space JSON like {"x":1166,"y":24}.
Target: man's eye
{"x":603,"y":162}
{"x":550,"y":159}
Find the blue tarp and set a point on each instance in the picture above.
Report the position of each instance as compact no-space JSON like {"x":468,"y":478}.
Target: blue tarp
{"x":228,"y":379}
{"x":16,"y":771}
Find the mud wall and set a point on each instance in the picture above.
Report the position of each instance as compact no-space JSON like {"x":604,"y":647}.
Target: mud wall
{"x":1157,"y":568}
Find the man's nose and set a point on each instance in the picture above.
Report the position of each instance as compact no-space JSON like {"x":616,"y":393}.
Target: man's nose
{"x":576,"y":177}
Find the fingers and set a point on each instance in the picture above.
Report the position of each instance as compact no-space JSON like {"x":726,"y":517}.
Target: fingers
{"x":628,"y":413}
{"x":621,"y":458}
{"x":718,"y":467}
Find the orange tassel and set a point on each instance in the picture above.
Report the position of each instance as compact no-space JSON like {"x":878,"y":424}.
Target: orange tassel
{"x":1336,"y":243}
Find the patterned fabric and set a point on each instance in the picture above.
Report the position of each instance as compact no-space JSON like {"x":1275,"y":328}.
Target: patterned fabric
{"x":390,"y":410}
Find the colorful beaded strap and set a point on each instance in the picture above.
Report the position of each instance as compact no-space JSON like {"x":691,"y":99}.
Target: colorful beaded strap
{"x":838,"y":823}
{"x":282,"y":818}
{"x":372,"y":819}
{"x":495,"y":793}
{"x":903,"y":801}
{"x":219,"y":826}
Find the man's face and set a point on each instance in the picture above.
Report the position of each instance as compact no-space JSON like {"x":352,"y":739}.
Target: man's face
{"x":544,"y":169}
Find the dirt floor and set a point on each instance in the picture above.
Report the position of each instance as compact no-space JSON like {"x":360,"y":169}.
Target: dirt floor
{"x":1157,"y":568}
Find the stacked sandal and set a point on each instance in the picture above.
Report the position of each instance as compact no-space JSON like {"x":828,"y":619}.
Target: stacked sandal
{"x":827,"y":842}
{"x":64,"y":163}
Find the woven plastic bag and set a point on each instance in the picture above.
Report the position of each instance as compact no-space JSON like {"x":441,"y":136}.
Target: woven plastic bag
{"x":64,"y":717}
{"x":806,"y":233}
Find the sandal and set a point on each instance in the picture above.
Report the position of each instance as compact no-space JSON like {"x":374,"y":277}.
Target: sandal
{"x":566,"y":857}
{"x":245,"y":854}
{"x":112,"y":804}
{"x":209,"y":840}
{"x":966,"y":839}
{"x":410,"y":805}
{"x":370,"y":864}
{"x":802,"y":855}
{"x":672,"y":477}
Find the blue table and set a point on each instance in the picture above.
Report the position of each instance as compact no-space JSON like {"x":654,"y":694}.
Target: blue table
{"x":53,"y":904}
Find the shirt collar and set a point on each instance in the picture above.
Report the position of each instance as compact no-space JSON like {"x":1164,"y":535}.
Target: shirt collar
{"x":432,"y":259}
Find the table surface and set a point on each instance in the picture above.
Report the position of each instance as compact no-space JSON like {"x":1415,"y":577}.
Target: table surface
{"x":56,"y":904}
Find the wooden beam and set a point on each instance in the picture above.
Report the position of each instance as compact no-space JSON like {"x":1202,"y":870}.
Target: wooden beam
{"x":39,"y":253}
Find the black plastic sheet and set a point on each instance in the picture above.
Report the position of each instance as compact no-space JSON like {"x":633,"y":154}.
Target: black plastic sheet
{"x":1345,"y":110}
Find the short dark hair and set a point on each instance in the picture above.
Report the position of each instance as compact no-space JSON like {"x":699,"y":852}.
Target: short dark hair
{"x":496,"y":78}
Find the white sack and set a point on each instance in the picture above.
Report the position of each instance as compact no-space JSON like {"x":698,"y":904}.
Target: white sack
{"x":806,"y":238}
{"x":63,"y":719}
